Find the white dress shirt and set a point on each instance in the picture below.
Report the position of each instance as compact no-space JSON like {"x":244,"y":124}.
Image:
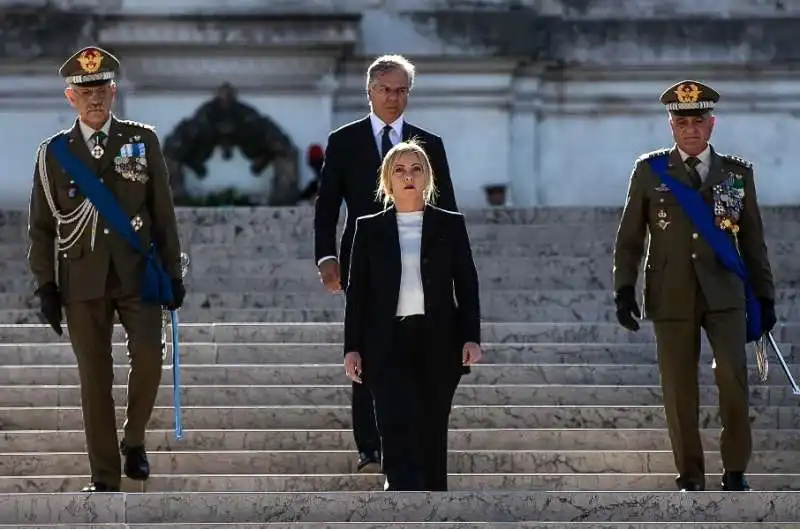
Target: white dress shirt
{"x":412,"y":297}
{"x":395,"y":135}
{"x":705,"y":162}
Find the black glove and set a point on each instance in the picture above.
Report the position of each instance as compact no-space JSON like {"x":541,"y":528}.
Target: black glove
{"x":50,"y":306}
{"x":768,"y":318}
{"x":178,"y":293}
{"x":627,"y":308}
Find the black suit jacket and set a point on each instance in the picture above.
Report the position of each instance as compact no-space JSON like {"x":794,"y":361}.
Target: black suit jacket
{"x":350,"y":173}
{"x":449,"y":281}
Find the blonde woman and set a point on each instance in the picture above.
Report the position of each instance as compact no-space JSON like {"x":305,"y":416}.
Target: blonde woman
{"x":412,"y":318}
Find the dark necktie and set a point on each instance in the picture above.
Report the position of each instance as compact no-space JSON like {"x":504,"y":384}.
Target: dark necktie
{"x":694,"y":176}
{"x":386,"y":143}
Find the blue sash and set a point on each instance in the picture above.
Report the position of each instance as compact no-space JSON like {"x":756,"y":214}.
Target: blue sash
{"x":156,"y":286}
{"x":699,"y":213}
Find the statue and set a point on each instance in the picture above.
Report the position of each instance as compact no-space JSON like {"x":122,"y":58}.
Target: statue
{"x":226,"y":122}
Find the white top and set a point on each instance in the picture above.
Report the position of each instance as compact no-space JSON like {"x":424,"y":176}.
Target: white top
{"x":412,"y":298}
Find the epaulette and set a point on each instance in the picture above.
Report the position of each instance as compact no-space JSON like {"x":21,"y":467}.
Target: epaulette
{"x":738,"y":160}
{"x":653,"y":154}
{"x":138,"y":124}
{"x":44,"y":143}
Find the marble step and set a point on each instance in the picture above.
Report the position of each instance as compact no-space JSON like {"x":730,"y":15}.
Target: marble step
{"x":546,"y":305}
{"x":604,"y":438}
{"x":255,"y":234}
{"x":424,"y":525}
{"x":420,"y":525}
{"x":344,"y":462}
{"x":491,"y":332}
{"x":320,"y":395}
{"x":60,"y":353}
{"x":481,"y":248}
{"x":486,"y":506}
{"x":327,"y":374}
{"x":261,"y":216}
{"x":489,"y":313}
{"x":462,"y":416}
{"x":569,"y":481}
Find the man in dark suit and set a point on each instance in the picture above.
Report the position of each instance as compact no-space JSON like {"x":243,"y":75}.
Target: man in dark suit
{"x":352,"y":159}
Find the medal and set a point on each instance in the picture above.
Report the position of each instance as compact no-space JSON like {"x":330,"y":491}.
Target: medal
{"x":97,"y":152}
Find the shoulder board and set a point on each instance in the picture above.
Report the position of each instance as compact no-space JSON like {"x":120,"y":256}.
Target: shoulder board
{"x":654,"y":154}
{"x":738,"y":161}
{"x":137,"y":124}
{"x":49,"y":140}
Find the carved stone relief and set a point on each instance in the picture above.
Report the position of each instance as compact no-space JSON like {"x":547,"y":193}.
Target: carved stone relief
{"x":227,"y":123}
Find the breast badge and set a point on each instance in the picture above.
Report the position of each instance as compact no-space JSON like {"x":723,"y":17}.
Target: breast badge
{"x":662,"y":223}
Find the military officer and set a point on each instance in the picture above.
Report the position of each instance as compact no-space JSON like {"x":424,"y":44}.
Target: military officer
{"x":81,"y":264}
{"x":686,"y":287}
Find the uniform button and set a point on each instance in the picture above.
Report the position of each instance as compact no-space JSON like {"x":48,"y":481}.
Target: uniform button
{"x":694,"y":256}
{"x":105,"y":230}
{"x":101,"y":180}
{"x":64,"y":255}
{"x":694,"y":236}
{"x":661,"y":200}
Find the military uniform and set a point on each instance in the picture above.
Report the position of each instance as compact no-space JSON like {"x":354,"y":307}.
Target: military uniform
{"x":80,"y":263}
{"x":686,"y":287}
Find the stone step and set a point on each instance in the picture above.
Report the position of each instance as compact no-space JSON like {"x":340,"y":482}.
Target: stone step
{"x":344,"y":462}
{"x":525,"y":247}
{"x":423,"y":525}
{"x":517,"y":481}
{"x":485,"y":505}
{"x":342,"y":439}
{"x":254,"y":234}
{"x":587,"y":313}
{"x":492,"y":332}
{"x":517,"y":305}
{"x":462,"y":416}
{"x":326,"y":374}
{"x":320,"y":395}
{"x":266,"y":217}
{"x":192,"y":353}
{"x":420,"y":525}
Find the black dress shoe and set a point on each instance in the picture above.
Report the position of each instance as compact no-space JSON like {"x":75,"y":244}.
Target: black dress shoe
{"x":689,"y":485}
{"x":369,"y":462}
{"x":99,"y":487}
{"x":137,"y":467}
{"x":734,"y":481}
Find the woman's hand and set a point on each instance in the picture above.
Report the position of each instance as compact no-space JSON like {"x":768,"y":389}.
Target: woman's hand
{"x":471,"y":354}
{"x":352,"y":366}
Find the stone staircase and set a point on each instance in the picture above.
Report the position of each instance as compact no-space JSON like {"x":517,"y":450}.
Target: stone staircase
{"x":560,"y":427}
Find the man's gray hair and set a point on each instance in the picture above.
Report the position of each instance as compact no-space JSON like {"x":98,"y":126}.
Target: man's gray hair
{"x":388,"y":63}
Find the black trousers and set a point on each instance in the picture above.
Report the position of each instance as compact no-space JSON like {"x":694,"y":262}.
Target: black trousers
{"x":412,"y":406}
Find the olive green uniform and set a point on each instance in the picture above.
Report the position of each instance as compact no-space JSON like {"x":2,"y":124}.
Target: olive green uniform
{"x":686,"y":288}
{"x":99,"y":275}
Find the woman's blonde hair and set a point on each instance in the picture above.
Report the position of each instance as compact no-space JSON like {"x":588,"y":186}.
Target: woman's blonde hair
{"x":384,"y":192}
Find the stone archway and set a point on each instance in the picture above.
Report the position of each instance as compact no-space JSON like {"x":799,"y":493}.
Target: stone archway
{"x":225,"y":122}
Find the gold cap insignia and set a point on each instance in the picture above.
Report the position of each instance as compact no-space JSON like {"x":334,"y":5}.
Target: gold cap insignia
{"x":90,"y":60}
{"x":688,"y":93}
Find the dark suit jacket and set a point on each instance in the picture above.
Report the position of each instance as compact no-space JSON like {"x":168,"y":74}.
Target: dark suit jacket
{"x":350,"y":172}
{"x":449,"y":281}
{"x":677,"y":255}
